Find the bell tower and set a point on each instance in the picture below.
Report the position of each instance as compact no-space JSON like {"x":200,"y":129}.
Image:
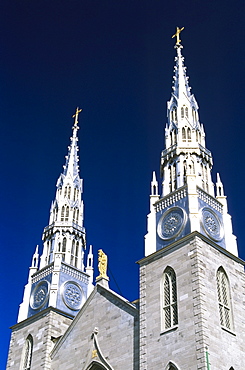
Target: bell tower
{"x":60,"y":278}
{"x":191,"y":278}
{"x":188,"y":202}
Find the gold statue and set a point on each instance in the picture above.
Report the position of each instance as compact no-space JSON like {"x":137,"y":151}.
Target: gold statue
{"x":76,"y":116}
{"x":102,"y":265}
{"x":178,"y":30}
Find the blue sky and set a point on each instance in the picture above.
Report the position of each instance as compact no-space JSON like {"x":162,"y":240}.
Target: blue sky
{"x":115,"y":60}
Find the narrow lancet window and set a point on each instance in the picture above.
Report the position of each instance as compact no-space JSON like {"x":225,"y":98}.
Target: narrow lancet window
{"x":224,"y":299}
{"x":69,"y":192}
{"x":27,"y":354}
{"x":169,"y":299}
{"x":76,"y":254}
{"x":182,"y":112}
{"x":189,"y":134}
{"x":62,"y":213}
{"x":183,"y":134}
{"x":186,"y":112}
{"x":63,"y":249}
{"x":67,"y":213}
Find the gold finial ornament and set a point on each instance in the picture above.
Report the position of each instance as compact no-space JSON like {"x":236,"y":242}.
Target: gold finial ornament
{"x":76,"y":116}
{"x":102,"y":265}
{"x":178,"y":30}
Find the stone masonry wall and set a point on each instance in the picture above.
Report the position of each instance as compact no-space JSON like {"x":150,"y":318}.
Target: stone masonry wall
{"x":41,"y":327}
{"x":195,"y":263}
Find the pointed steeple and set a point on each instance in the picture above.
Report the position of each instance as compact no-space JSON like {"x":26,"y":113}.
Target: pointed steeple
{"x":185,"y":151}
{"x":188,"y":202}
{"x":71,"y":166}
{"x":64,"y":245}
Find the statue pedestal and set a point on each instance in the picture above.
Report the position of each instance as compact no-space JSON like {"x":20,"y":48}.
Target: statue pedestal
{"x":103,"y":280}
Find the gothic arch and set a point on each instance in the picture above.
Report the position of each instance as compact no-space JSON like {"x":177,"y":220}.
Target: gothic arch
{"x":27,"y":354}
{"x":169,"y":307}
{"x":224,"y":298}
{"x":96,"y":366}
{"x":171,"y":366}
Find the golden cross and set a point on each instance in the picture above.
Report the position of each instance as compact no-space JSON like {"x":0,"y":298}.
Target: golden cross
{"x":76,"y":116}
{"x":178,"y":30}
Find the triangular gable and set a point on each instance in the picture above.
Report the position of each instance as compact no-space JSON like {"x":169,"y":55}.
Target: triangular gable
{"x":103,"y":309}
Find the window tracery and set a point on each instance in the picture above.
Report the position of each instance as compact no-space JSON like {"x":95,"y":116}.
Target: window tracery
{"x":27,"y":353}
{"x":224,"y":299}
{"x":169,"y":299}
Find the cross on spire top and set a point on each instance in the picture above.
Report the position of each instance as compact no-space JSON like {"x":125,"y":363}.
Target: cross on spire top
{"x":76,"y":116}
{"x":178,"y":30}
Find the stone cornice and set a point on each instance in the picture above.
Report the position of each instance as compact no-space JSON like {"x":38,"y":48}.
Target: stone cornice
{"x":38,"y":316}
{"x":181,"y":242}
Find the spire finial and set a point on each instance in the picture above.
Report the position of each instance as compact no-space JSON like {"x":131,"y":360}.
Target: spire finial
{"x":178,"y":30}
{"x":76,"y":116}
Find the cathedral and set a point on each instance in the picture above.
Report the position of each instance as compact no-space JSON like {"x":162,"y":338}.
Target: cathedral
{"x":190,"y":313}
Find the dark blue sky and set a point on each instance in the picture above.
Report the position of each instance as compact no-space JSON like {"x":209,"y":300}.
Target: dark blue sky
{"x":114,"y":59}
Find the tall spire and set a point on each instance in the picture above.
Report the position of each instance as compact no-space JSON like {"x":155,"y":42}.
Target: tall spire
{"x":188,"y":202}
{"x":64,"y":245}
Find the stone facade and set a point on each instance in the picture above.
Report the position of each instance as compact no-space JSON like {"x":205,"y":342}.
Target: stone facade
{"x":195,"y":261}
{"x":44,"y":328}
{"x":114,"y":323}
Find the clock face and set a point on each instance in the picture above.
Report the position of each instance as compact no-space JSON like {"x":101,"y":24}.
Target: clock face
{"x":171,"y":223}
{"x":39,"y":295}
{"x":72,"y":295}
{"x":212,"y":224}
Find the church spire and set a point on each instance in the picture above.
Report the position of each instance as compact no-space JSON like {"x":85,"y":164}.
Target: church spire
{"x":71,"y":165}
{"x":64,"y":245}
{"x":184,"y":134}
{"x":188,"y":202}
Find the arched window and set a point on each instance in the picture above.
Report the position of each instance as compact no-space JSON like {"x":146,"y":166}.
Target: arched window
{"x":194,"y":114}
{"x":171,"y":366}
{"x":182,"y":112}
{"x":186,"y":112}
{"x":65,"y":192}
{"x":197,"y":137}
{"x":63,"y":249}
{"x":174,"y":114}
{"x":76,"y":254}
{"x":189,"y":134}
{"x":75,"y":194}
{"x":183,"y":134}
{"x":206,"y":178}
{"x":69,"y":192}
{"x":77,"y":216}
{"x":224,"y":299}
{"x":185,"y":168}
{"x":170,"y":178}
{"x":27,"y":353}
{"x":62,"y":213}
{"x":173,"y":137}
{"x":174,"y":177}
{"x":169,"y":299}
{"x":67,"y":213}
{"x":72,"y":252}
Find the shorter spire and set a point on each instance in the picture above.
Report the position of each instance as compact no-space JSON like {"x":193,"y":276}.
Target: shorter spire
{"x":219,"y":187}
{"x":35,"y":258}
{"x":154,"y":185}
